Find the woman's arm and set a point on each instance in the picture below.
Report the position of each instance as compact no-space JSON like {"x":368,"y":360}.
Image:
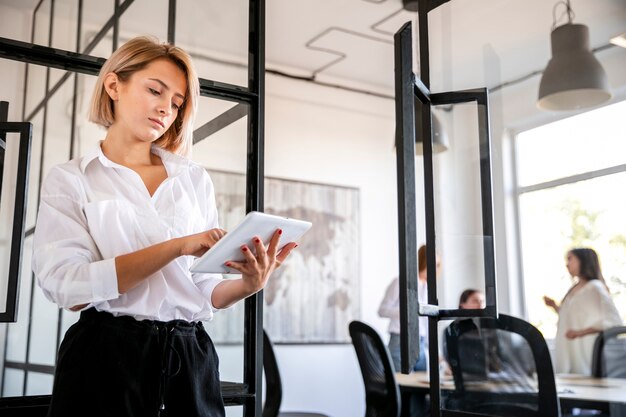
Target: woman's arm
{"x":132,"y":268}
{"x":573,"y":334}
{"x":389,"y":306}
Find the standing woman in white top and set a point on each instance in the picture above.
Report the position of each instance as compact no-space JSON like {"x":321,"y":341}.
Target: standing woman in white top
{"x":116,"y":234}
{"x":586,"y":310}
{"x":390,"y":308}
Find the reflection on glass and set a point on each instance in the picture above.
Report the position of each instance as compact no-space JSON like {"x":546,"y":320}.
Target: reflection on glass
{"x":493,"y":369}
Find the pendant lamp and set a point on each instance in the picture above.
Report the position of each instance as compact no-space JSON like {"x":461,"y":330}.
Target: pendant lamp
{"x":574,"y":78}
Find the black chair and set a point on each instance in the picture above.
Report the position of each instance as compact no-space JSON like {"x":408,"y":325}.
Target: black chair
{"x":274,"y":386}
{"x":493,"y":362}
{"x":609,"y":354}
{"x":382,"y":394}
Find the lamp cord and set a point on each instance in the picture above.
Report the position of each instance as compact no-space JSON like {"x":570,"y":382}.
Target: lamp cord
{"x":568,"y":11}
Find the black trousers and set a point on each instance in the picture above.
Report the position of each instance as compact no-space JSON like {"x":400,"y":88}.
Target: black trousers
{"x":118,"y":366}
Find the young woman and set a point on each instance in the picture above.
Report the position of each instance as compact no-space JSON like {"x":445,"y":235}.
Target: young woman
{"x":586,"y":310}
{"x":116,"y":234}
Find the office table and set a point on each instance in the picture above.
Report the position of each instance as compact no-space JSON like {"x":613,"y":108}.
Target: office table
{"x":573,"y":390}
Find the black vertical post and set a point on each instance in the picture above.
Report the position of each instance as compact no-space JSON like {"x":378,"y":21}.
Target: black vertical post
{"x":407,"y":229}
{"x":484,"y":137}
{"x":4,"y":116}
{"x":171,"y":22}
{"x":253,"y":326}
{"x":429,"y":200}
{"x":116,"y":25}
{"x":40,"y":180}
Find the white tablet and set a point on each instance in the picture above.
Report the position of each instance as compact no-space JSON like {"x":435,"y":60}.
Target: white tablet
{"x":255,"y":223}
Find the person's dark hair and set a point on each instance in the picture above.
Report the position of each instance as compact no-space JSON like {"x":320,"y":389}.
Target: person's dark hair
{"x":465,"y":295}
{"x":421,"y":258}
{"x":589,"y":264}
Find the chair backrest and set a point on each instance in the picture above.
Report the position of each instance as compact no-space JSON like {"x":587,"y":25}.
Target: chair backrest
{"x":493,"y":363}
{"x":273,"y":384}
{"x":382,"y":394}
{"x":609,"y":354}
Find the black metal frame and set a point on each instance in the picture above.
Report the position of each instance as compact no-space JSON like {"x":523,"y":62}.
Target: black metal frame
{"x":251,"y":97}
{"x":25,"y":130}
{"x":410,"y":88}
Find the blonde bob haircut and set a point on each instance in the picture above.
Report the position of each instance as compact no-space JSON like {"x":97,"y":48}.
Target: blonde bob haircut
{"x":133,"y":56}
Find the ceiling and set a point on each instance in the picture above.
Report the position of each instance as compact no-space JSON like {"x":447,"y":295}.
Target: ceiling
{"x":472,"y":42}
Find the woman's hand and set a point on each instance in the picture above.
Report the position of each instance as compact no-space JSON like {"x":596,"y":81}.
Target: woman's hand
{"x":256,"y":269}
{"x":199,"y":243}
{"x":550,"y":303}
{"x":574,"y":334}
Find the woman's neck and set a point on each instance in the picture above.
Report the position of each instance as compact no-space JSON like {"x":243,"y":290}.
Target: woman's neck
{"x":127,"y":152}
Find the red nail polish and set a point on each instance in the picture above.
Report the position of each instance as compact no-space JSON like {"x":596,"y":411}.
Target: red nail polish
{"x":245,"y":248}
{"x":280,"y":231}
{"x":295,"y":246}
{"x":257,"y":240}
{"x":228,"y":264}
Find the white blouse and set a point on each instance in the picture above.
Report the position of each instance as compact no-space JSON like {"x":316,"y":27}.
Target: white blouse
{"x":390,"y":306}
{"x":589,"y":306}
{"x":93,"y":210}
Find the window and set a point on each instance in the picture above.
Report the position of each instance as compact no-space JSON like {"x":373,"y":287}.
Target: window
{"x":571,"y":177}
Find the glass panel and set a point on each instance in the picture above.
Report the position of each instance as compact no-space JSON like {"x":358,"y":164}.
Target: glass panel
{"x":216,"y":34}
{"x":613,"y":359}
{"x":234,"y":411}
{"x":39,"y":384}
{"x":223,"y":153}
{"x":65,"y":24}
{"x":458,"y":208}
{"x":563,"y":148}
{"x":145,"y":17}
{"x":43,"y":331}
{"x":493,"y":370}
{"x":35,"y":172}
{"x":42,"y":24}
{"x":95,"y":15}
{"x":326,"y":247}
{"x":16,"y":19}
{"x":13,"y":383}
{"x":558,"y":219}
{"x":17,"y":332}
{"x":8,"y":181}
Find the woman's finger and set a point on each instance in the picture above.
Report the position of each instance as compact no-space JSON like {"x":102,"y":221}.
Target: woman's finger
{"x":247,"y":253}
{"x":238,"y":266}
{"x":261,"y":253}
{"x":273,"y":247}
{"x":285,"y":251}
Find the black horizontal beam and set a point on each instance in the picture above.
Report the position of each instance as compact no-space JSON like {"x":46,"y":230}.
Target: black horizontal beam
{"x":463,"y":96}
{"x":90,"y":65}
{"x":49,"y":57}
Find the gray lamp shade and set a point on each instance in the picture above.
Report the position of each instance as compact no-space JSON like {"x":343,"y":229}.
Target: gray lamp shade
{"x":574,"y":78}
{"x":440,"y":138}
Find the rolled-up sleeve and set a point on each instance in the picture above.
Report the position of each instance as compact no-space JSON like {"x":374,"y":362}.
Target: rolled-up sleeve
{"x":66,"y":261}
